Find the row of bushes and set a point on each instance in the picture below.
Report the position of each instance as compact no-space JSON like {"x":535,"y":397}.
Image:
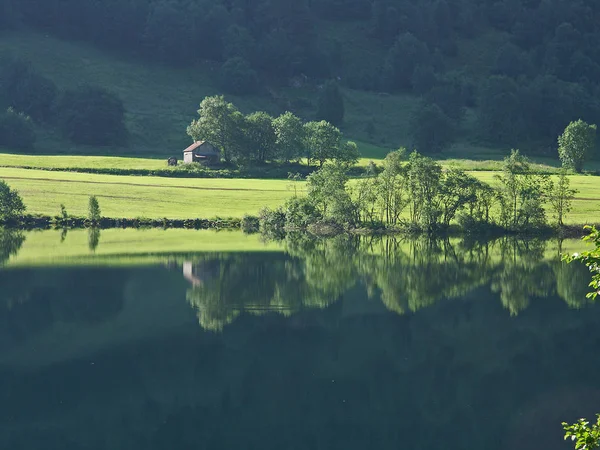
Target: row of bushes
{"x":48,"y":222}
{"x":196,"y":170}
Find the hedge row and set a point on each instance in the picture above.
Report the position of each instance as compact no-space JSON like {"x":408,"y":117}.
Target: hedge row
{"x":276,"y":173}
{"x":48,"y":222}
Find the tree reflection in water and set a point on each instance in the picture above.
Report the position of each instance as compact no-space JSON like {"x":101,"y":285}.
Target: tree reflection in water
{"x":406,"y":275}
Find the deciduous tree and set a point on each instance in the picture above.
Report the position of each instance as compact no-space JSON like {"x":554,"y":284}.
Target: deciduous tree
{"x":576,"y":144}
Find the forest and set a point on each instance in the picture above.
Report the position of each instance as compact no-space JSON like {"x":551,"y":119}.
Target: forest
{"x":538,"y":71}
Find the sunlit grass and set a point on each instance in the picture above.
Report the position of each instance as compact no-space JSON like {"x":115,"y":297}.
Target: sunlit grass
{"x":129,"y":196}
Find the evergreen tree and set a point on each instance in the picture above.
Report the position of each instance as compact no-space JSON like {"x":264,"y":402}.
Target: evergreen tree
{"x":331,"y":104}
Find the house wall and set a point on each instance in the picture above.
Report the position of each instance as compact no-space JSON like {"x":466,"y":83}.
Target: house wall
{"x":188,"y":157}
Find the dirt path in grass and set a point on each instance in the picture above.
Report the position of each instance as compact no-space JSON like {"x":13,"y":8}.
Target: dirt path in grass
{"x":143,"y":185}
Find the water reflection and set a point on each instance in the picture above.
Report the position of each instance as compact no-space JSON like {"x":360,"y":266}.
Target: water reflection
{"x":405,"y":275}
{"x":10,"y":243}
{"x":348,"y":343}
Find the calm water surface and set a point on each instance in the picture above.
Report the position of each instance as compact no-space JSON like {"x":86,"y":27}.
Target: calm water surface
{"x":339,"y":344}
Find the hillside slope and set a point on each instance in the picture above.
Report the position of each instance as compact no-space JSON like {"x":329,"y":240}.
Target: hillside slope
{"x":161,"y":101}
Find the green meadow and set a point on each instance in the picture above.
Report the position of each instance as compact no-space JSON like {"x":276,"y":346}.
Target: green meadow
{"x":158,"y":197}
{"x":154,"y":197}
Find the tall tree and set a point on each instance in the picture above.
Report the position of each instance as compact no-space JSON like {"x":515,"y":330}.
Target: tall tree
{"x":331,"y":104}
{"x":289,"y":134}
{"x":219,"y":124}
{"x":406,"y":54}
{"x":261,"y":136}
{"x":322,"y":141}
{"x":576,"y":144}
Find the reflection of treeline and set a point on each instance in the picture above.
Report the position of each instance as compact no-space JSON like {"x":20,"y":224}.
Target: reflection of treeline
{"x":407,"y":275}
{"x":418,"y":194}
{"x":33,"y":300}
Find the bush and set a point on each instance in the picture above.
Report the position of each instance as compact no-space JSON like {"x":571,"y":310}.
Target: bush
{"x":91,"y":115}
{"x":272,"y":222}
{"x":432,"y":130}
{"x":300,"y":212}
{"x":23,"y":89}
{"x":11,"y":203}
{"x":16,"y":131}
{"x":238,"y":77}
{"x":250,"y":224}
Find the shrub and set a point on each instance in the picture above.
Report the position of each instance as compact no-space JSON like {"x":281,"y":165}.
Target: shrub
{"x":91,"y":115}
{"x":11,"y":203}
{"x":23,"y":89}
{"x":300,"y":212}
{"x":16,"y":130}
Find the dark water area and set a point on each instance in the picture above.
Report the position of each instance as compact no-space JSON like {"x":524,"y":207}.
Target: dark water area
{"x":337,"y":344}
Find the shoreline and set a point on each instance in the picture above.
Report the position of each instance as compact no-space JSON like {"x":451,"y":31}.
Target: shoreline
{"x":249,"y":226}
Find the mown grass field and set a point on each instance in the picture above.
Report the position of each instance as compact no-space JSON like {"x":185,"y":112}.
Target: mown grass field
{"x":129,"y":247}
{"x":152,"y":197}
{"x":156,"y":197}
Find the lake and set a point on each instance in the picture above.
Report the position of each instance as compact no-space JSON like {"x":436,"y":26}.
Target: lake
{"x":178,"y":339}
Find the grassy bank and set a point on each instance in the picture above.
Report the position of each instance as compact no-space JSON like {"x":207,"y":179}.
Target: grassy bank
{"x":153,"y":197}
{"x":156,"y":197}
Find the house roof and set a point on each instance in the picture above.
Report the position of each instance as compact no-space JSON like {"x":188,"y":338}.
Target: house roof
{"x":194,"y":146}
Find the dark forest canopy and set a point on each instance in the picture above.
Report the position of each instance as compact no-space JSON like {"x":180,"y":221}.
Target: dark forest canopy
{"x":544,"y":66}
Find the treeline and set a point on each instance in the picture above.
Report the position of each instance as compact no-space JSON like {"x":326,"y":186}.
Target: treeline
{"x":544,"y":68}
{"x":29,"y":100}
{"x":418,"y":195}
{"x":258,"y":138}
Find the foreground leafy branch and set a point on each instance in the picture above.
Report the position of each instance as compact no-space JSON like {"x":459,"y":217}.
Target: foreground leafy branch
{"x":586,"y":437}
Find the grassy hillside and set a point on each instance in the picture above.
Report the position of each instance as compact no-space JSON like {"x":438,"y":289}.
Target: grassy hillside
{"x":161,"y":101}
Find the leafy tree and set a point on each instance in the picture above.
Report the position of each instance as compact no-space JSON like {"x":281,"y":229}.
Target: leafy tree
{"x":347,"y":153}
{"x":560,"y":196}
{"x":500,"y":111}
{"x":576,"y":143}
{"x":92,"y":115}
{"x":167,"y":28}
{"x":261,"y":136}
{"x":457,"y":190}
{"x":322,"y":141}
{"x":16,"y":131}
{"x":327,"y":189}
{"x":521,"y":193}
{"x":424,"y":177}
{"x":331,"y":104}
{"x":423,"y":79}
{"x":25,"y":90}
{"x":511,"y":61}
{"x":432,"y":130}
{"x":406,"y":54}
{"x":239,"y":42}
{"x":220,"y":124}
{"x":591,"y":259}
{"x":584,"y":436}
{"x":238,"y":77}
{"x":94,"y":212}
{"x":392,"y":187}
{"x":289,"y":136}
{"x":11,"y":203}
